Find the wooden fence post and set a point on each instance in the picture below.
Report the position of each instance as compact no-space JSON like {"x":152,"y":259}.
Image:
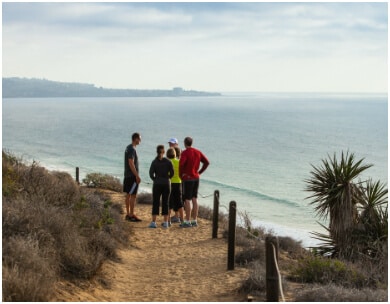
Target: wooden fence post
{"x":232,"y":234}
{"x":271,"y":270}
{"x":77,"y":175}
{"x":215,"y":214}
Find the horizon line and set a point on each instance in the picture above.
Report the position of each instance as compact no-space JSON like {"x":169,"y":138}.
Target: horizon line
{"x":212,"y":91}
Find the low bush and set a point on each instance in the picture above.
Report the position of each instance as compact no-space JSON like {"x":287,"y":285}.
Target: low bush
{"x":255,"y":252}
{"x":335,"y":293}
{"x":256,"y":282}
{"x":28,"y":270}
{"x":316,"y":269}
{"x":251,"y":239}
{"x":145,"y":198}
{"x":10,"y":183}
{"x":103,"y":181}
{"x":293,"y":247}
{"x":52,"y":229}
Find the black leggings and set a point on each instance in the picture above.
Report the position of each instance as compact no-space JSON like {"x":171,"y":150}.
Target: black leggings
{"x":160,"y":192}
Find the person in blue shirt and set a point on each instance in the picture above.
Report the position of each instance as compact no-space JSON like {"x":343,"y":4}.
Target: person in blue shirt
{"x":131,"y":179}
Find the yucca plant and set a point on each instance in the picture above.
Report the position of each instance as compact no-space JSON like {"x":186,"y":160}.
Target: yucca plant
{"x":375,"y":196}
{"x":336,"y":196}
{"x":373,"y":218}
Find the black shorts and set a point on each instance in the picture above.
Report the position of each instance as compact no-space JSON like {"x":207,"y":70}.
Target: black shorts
{"x":130,"y":185}
{"x":190,"y":189}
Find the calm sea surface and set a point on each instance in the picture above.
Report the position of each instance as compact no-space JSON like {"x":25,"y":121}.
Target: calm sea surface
{"x":261,"y":146}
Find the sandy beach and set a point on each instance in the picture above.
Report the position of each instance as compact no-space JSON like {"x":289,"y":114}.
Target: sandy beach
{"x":162,"y":265}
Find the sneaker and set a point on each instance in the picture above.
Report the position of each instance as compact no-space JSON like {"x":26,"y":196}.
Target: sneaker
{"x":127,"y":217}
{"x":152,"y":225}
{"x":135,"y":218}
{"x":185,"y":225}
{"x":175,"y":219}
{"x":166,"y":224}
{"x":194,"y":223}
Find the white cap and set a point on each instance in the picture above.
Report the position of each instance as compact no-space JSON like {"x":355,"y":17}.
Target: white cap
{"x":173,"y":141}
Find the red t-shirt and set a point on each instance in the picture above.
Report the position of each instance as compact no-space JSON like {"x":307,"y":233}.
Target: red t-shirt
{"x":190,"y":160}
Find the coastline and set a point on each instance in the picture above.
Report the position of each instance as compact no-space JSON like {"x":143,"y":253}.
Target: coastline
{"x":297,"y":234}
{"x":264,"y":176}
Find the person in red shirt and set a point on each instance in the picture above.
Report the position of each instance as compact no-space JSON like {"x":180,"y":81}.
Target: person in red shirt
{"x":189,"y":173}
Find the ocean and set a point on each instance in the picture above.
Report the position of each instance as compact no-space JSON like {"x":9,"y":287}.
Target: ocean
{"x":260,"y":145}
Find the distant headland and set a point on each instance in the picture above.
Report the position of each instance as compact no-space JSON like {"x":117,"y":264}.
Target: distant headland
{"x":15,"y":87}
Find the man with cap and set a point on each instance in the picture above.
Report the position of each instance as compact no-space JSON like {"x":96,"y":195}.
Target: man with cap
{"x":173,"y":142}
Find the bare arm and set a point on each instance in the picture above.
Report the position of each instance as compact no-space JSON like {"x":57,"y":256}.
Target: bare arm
{"x":134,"y":170}
{"x":205,"y":163}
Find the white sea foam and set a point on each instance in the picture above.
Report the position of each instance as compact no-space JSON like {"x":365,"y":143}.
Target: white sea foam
{"x":304,"y":236}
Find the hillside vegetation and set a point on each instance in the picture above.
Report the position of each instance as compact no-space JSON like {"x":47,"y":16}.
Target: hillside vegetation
{"x":55,"y":230}
{"x":52,"y":229}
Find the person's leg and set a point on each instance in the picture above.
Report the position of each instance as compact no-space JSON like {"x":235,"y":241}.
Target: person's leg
{"x":155,"y":209}
{"x":179,"y":202}
{"x":156,"y":201}
{"x":131,"y":188}
{"x":126,"y":189}
{"x":181,"y":213}
{"x":166,"y":189}
{"x":155,"y":206}
{"x":195,"y":208}
{"x":187,"y":194}
{"x":171,"y":203}
{"x":187,"y":206}
{"x":132,"y":201}
{"x":154,"y":218}
{"x":175,"y":201}
{"x":127,"y":201}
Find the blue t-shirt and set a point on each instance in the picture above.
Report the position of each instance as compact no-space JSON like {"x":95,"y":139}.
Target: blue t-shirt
{"x":130,"y":153}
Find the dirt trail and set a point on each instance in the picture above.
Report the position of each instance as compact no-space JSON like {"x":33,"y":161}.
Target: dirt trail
{"x":175,"y":264}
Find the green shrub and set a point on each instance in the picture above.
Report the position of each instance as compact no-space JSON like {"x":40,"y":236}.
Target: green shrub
{"x":316,"y":269}
{"x":103,"y":181}
{"x":10,"y":182}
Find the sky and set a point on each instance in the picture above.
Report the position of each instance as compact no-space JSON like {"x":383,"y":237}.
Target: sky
{"x":218,"y":47}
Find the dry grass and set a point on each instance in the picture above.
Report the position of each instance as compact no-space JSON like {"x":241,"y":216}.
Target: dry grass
{"x":52,"y":229}
{"x":335,"y":293}
{"x":28,"y":270}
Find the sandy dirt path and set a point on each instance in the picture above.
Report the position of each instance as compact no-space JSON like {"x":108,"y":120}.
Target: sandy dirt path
{"x":175,"y":264}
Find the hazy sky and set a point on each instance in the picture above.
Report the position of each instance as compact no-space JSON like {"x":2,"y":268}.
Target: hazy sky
{"x":278,"y":47}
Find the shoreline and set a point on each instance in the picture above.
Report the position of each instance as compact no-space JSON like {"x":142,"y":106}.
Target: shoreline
{"x":297,"y":234}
